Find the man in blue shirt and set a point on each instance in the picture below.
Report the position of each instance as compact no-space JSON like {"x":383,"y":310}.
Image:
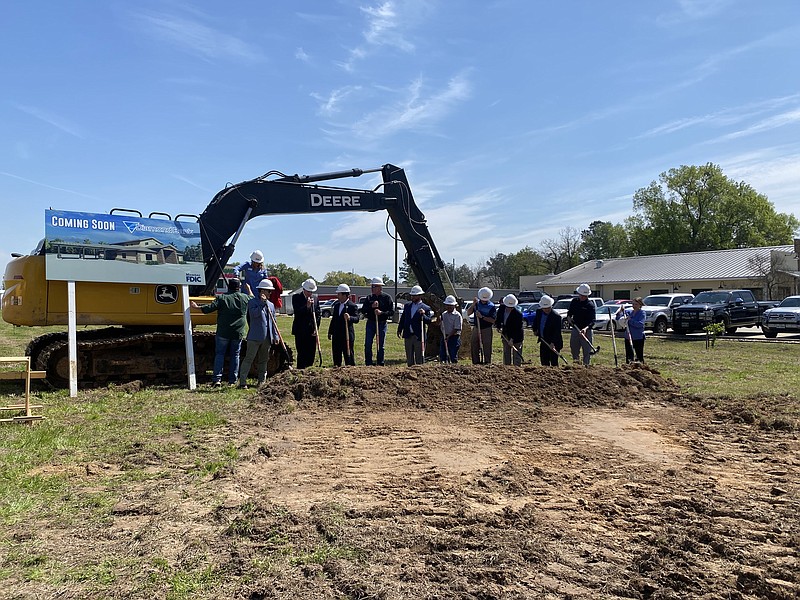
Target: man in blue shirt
{"x":252,"y":273}
{"x":262,"y":334}
{"x":547,"y":327}
{"x":485,"y":313}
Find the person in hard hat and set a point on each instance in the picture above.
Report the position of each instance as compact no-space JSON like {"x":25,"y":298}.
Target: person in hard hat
{"x":547,"y":327}
{"x":252,"y":273}
{"x":512,"y":330}
{"x":634,"y":318}
{"x":411,"y":326}
{"x":231,"y":308}
{"x":344,"y":314}
{"x":451,"y":322}
{"x":485,"y":313}
{"x":261,"y":336}
{"x":581,"y":315}
{"x":306,"y":323}
{"x":377,"y":309}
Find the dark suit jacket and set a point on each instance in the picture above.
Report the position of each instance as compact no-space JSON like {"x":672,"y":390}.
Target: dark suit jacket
{"x":552,"y":328}
{"x":336,"y":328}
{"x":513,"y":326}
{"x":303,"y":323}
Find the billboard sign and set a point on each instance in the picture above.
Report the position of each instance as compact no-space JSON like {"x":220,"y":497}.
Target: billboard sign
{"x":122,"y":249}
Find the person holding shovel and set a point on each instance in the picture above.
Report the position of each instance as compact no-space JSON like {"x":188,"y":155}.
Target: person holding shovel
{"x":485,"y":312}
{"x":377,"y":309}
{"x":512,"y":330}
{"x":261,"y":335}
{"x":306,"y":321}
{"x":451,"y":322}
{"x":412,"y":326}
{"x":344,"y":314}
{"x":547,"y":327}
{"x":634,"y":334}
{"x":581,"y":315}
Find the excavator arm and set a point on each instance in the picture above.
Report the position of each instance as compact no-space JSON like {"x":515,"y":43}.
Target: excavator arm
{"x":225,"y":217}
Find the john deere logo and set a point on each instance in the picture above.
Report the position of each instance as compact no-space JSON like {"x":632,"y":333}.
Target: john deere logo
{"x":166,"y":294}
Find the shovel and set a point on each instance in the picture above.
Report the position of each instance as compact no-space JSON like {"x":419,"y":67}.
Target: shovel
{"x":286,"y":353}
{"x":561,"y":356}
{"x":316,"y":330}
{"x":593,"y":350}
{"x":513,"y":347}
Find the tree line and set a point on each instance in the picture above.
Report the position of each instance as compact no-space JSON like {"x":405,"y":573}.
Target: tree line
{"x":688,"y":209}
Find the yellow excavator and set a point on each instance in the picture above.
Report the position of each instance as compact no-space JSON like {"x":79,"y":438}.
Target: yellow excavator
{"x":139,"y":336}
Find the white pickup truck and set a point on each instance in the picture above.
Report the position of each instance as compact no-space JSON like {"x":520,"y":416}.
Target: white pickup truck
{"x":658,"y":310}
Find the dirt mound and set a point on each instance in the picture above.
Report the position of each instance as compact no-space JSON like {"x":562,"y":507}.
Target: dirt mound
{"x":439,"y":386}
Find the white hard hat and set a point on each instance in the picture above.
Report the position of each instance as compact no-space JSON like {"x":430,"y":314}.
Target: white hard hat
{"x":485,"y":294}
{"x":343,"y":289}
{"x":450,"y":301}
{"x":257,"y":256}
{"x":510,"y":300}
{"x":310,"y":285}
{"x":265,"y":284}
{"x":584,"y":289}
{"x":416,"y":291}
{"x":546,"y":302}
{"x":376,"y":281}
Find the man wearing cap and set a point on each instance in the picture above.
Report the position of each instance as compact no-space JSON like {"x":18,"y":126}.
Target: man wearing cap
{"x":485,"y":312}
{"x":252,"y":273}
{"x":231,"y":310}
{"x":306,"y":323}
{"x":512,"y":330}
{"x":377,"y":309}
{"x":412,"y":326}
{"x":581,"y":315}
{"x":344,"y":314}
{"x":261,"y":335}
{"x":547,"y":327}
{"x":451,"y":323}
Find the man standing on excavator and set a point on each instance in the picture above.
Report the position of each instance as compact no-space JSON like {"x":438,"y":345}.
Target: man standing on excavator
{"x":377,"y":308}
{"x":252,"y":273}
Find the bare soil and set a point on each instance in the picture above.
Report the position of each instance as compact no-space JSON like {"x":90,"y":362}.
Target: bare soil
{"x":468,"y":482}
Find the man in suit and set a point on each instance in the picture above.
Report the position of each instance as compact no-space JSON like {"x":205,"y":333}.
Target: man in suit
{"x":509,"y":323}
{"x":547,"y":327}
{"x":344,"y":314}
{"x":305,"y":324}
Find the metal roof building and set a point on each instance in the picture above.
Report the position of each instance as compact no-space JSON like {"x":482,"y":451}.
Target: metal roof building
{"x":770,"y":271}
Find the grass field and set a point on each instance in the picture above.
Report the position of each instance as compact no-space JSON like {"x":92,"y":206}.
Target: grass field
{"x":749,"y":382}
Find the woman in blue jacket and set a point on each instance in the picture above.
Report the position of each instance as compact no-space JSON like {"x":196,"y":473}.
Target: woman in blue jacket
{"x":634,"y":334}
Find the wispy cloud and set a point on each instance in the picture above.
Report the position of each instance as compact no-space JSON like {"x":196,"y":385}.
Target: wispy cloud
{"x":51,"y":119}
{"x":416,"y":110}
{"x":693,"y":10}
{"x":768,"y":124}
{"x":48,"y":186}
{"x":330,"y":104}
{"x":197,"y":38}
{"x":386,"y":25}
{"x":301,"y":55}
{"x":722,"y":118}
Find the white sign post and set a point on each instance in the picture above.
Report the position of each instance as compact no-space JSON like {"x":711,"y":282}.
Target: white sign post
{"x":187,"y":332}
{"x":72,"y":336}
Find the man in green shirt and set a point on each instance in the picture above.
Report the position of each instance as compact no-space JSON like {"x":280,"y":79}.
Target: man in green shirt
{"x":231,"y":310}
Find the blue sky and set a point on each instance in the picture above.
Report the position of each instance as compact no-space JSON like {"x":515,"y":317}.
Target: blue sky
{"x":513,"y":119}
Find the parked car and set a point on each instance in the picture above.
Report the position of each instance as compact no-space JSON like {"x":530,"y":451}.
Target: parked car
{"x":528,"y":310}
{"x":617,"y":302}
{"x":783,"y":318}
{"x":658,"y":310}
{"x":731,"y":308}
{"x":530,"y":296}
{"x":326,"y":308}
{"x":562,"y":306}
{"x":604,"y":317}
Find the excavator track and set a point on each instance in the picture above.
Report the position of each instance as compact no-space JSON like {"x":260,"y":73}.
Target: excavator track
{"x":118,"y":355}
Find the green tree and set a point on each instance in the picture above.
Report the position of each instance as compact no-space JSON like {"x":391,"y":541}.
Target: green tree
{"x":348,"y":277}
{"x":604,"y":240}
{"x":695,"y":208}
{"x":465,"y":277}
{"x":291,"y":278}
{"x":407,"y":276}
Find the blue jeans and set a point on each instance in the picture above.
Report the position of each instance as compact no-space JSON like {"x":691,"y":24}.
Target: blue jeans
{"x":370,"y":337}
{"x":226,"y":347}
{"x":448,"y":351}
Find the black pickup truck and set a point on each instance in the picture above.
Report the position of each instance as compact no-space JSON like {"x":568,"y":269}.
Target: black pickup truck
{"x":732,"y":308}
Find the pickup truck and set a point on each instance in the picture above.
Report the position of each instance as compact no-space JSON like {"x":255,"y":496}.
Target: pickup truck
{"x":732,"y":308}
{"x":785,"y":318}
{"x":658,"y":310}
